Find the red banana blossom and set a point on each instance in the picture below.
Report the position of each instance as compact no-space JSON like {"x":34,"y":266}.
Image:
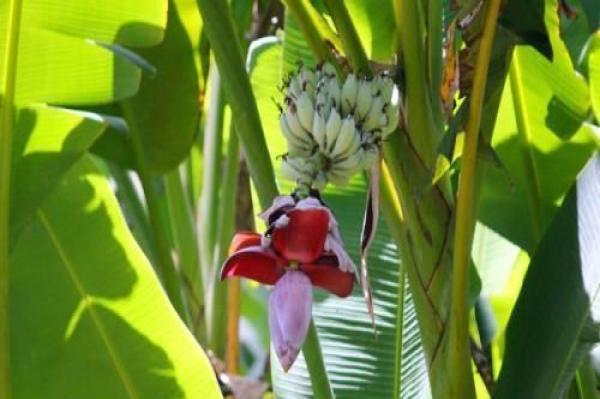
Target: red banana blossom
{"x":302,"y":248}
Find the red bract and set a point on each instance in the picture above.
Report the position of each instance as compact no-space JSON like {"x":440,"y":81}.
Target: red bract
{"x":297,"y":245}
{"x":302,"y":249}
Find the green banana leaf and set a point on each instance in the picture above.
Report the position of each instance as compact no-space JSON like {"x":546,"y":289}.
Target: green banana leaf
{"x":374,"y":22}
{"x":89,"y":318}
{"x":541,"y":140}
{"x":64,"y":54}
{"x":525,"y":18}
{"x":48,"y":141}
{"x":359,"y":362}
{"x":69,"y":54}
{"x":593,"y":67}
{"x":165,"y":112}
{"x":554,"y":323}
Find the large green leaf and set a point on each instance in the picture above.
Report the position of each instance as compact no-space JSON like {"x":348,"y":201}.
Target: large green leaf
{"x":542,"y":144}
{"x":554,"y":323}
{"x":89,"y":318}
{"x":526,"y":19}
{"x":374,"y":22}
{"x":358,"y":363}
{"x":61,"y":56}
{"x":593,"y":67}
{"x":165,"y":111}
{"x":68,"y":54}
{"x":48,"y":142}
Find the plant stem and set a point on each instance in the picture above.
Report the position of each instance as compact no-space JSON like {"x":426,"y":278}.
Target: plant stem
{"x":211,"y":175}
{"x":309,"y":21}
{"x":7,"y":112}
{"x":314,"y":362}
{"x":350,"y":40}
{"x":186,"y":244}
{"x":232,"y":351}
{"x":458,"y":352}
{"x":134,"y":209}
{"x":435,"y":34}
{"x":219,"y":28}
{"x":225,"y":223}
{"x":152,"y":188}
{"x":423,"y":132}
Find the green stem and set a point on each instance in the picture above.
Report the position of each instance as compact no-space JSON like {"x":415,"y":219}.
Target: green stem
{"x":219,"y":28}
{"x":211,"y":170}
{"x":423,"y":132}
{"x":186,"y":244}
{"x":7,"y":110}
{"x":308,"y":20}
{"x":314,"y":361}
{"x":459,"y":354}
{"x":435,"y":35}
{"x":226,"y":221}
{"x":134,"y":209}
{"x":152,"y":188}
{"x":399,"y":331}
{"x":350,"y":40}
{"x":534,"y":197}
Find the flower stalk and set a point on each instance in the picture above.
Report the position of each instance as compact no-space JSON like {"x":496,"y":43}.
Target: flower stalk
{"x":461,"y":379}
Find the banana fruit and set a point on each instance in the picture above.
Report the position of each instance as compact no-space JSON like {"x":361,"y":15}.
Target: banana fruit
{"x":334,"y":128}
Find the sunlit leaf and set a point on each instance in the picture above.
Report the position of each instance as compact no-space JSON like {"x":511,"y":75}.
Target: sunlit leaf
{"x":561,"y":289}
{"x":540,"y":139}
{"x":165,"y":112}
{"x":89,"y":318}
{"x":60,"y":56}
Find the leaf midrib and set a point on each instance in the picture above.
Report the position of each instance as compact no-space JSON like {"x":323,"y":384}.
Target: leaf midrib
{"x":104,"y":336}
{"x":523,"y":132}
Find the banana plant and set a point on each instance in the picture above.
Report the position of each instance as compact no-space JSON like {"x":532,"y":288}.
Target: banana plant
{"x":417,"y":180}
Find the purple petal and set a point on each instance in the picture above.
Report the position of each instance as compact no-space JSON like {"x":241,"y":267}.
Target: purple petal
{"x":334,"y":244}
{"x":290,"y":306}
{"x":280,"y":203}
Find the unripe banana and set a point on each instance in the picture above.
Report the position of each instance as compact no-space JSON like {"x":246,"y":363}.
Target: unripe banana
{"x":319,"y":129}
{"x":345,"y":137}
{"x":349,"y":93}
{"x":307,"y":77}
{"x":308,"y":81}
{"x":353,"y":147}
{"x":304,"y":109}
{"x":392,"y":114}
{"x":295,"y":145}
{"x":373,"y":117}
{"x":296,"y":169}
{"x":387,"y":90}
{"x":332,"y":130}
{"x":293,"y":122}
{"x":363,"y":100}
{"x":328,"y":70}
{"x":335,"y":93}
{"x":376,"y":85}
{"x":349,"y":165}
{"x":321,"y":102}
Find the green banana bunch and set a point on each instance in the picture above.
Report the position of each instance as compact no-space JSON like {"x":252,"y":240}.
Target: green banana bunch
{"x":333,"y":128}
